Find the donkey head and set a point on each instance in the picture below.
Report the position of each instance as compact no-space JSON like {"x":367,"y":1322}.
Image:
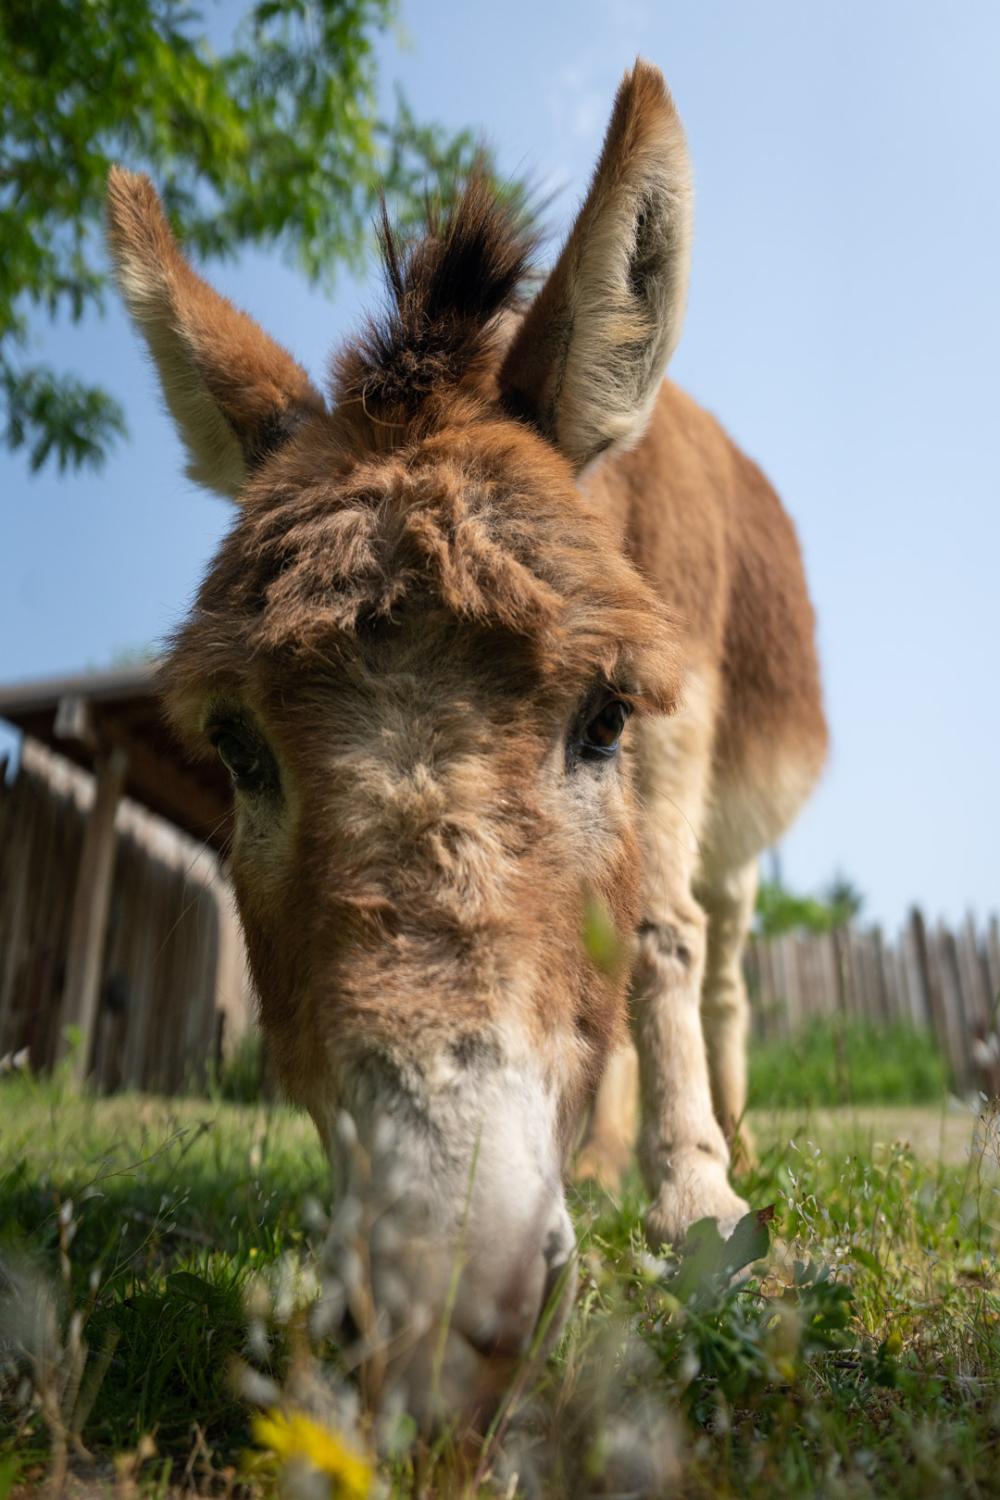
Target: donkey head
{"x":417,"y":651}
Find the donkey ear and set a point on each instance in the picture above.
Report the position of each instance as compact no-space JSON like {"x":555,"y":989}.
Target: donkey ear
{"x":587,"y":361}
{"x":234,"y":393}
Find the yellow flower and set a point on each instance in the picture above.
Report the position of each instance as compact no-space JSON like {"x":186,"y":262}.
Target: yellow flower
{"x":297,"y":1438}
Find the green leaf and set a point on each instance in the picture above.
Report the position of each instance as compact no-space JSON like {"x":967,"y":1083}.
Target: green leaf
{"x":57,"y":414}
{"x":701,"y":1263}
{"x":749,"y":1241}
{"x":709,"y":1262}
{"x":9,"y":1467}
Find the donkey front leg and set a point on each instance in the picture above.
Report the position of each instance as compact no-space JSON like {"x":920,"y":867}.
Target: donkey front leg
{"x":728,"y":900}
{"x":683,"y":1152}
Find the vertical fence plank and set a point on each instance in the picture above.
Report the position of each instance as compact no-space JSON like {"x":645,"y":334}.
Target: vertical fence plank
{"x":993,"y":965}
{"x":974,"y":977}
{"x":15,"y":888}
{"x":915,"y":971}
{"x":154,"y":1021}
{"x":956,"y":1024}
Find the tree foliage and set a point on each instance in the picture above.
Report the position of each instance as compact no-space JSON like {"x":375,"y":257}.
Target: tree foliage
{"x":266,"y":132}
{"x":780,"y":910}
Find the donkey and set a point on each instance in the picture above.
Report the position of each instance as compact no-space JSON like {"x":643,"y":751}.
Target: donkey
{"x":505,"y":633}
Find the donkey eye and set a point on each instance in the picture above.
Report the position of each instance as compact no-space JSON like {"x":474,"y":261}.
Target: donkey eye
{"x":245,"y":758}
{"x":603,"y":732}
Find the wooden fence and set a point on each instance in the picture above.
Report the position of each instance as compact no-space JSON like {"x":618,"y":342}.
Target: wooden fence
{"x":173,"y":986}
{"x":929,"y":976}
{"x":174,"y":990}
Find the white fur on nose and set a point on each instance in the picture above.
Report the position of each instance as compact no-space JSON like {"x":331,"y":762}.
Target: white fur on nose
{"x":517,"y":1229}
{"x":470,"y":1237}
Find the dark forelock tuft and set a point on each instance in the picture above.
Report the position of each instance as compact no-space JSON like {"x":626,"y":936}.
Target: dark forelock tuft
{"x":447,"y":291}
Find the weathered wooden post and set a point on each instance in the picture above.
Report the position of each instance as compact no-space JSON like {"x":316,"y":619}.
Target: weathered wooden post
{"x":91,"y":900}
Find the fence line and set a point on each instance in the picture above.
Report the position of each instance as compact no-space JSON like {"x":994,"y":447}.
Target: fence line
{"x":174,"y":988}
{"x":933,"y":978}
{"x":173,"y":978}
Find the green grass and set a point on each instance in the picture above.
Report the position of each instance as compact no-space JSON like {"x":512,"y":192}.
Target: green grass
{"x":847,"y":1061}
{"x":861,"y":1355}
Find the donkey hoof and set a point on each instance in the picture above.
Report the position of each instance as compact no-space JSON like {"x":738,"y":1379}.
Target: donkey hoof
{"x":681,"y":1203}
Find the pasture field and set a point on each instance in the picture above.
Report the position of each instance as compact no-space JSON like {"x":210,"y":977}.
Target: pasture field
{"x":157,"y":1263}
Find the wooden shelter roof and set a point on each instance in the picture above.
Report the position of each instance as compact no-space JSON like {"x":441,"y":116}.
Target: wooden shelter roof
{"x":90,"y":713}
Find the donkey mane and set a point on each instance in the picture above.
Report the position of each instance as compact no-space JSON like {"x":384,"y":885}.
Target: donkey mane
{"x":448,"y":290}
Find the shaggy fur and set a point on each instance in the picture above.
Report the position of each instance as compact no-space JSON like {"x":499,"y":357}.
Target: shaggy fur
{"x":417,"y":618}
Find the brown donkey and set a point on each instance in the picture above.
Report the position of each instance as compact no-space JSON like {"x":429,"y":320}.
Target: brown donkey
{"x":508,"y":629}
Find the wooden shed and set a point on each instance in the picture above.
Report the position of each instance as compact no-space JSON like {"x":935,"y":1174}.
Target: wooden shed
{"x":116,"y":922}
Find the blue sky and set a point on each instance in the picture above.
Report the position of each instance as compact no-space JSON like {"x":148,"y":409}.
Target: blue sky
{"x":844,"y":324}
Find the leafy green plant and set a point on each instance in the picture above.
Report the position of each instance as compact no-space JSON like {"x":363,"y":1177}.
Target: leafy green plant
{"x":740,"y":1341}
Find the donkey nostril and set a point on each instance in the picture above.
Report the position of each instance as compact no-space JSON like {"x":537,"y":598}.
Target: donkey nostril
{"x":560,"y":1243}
